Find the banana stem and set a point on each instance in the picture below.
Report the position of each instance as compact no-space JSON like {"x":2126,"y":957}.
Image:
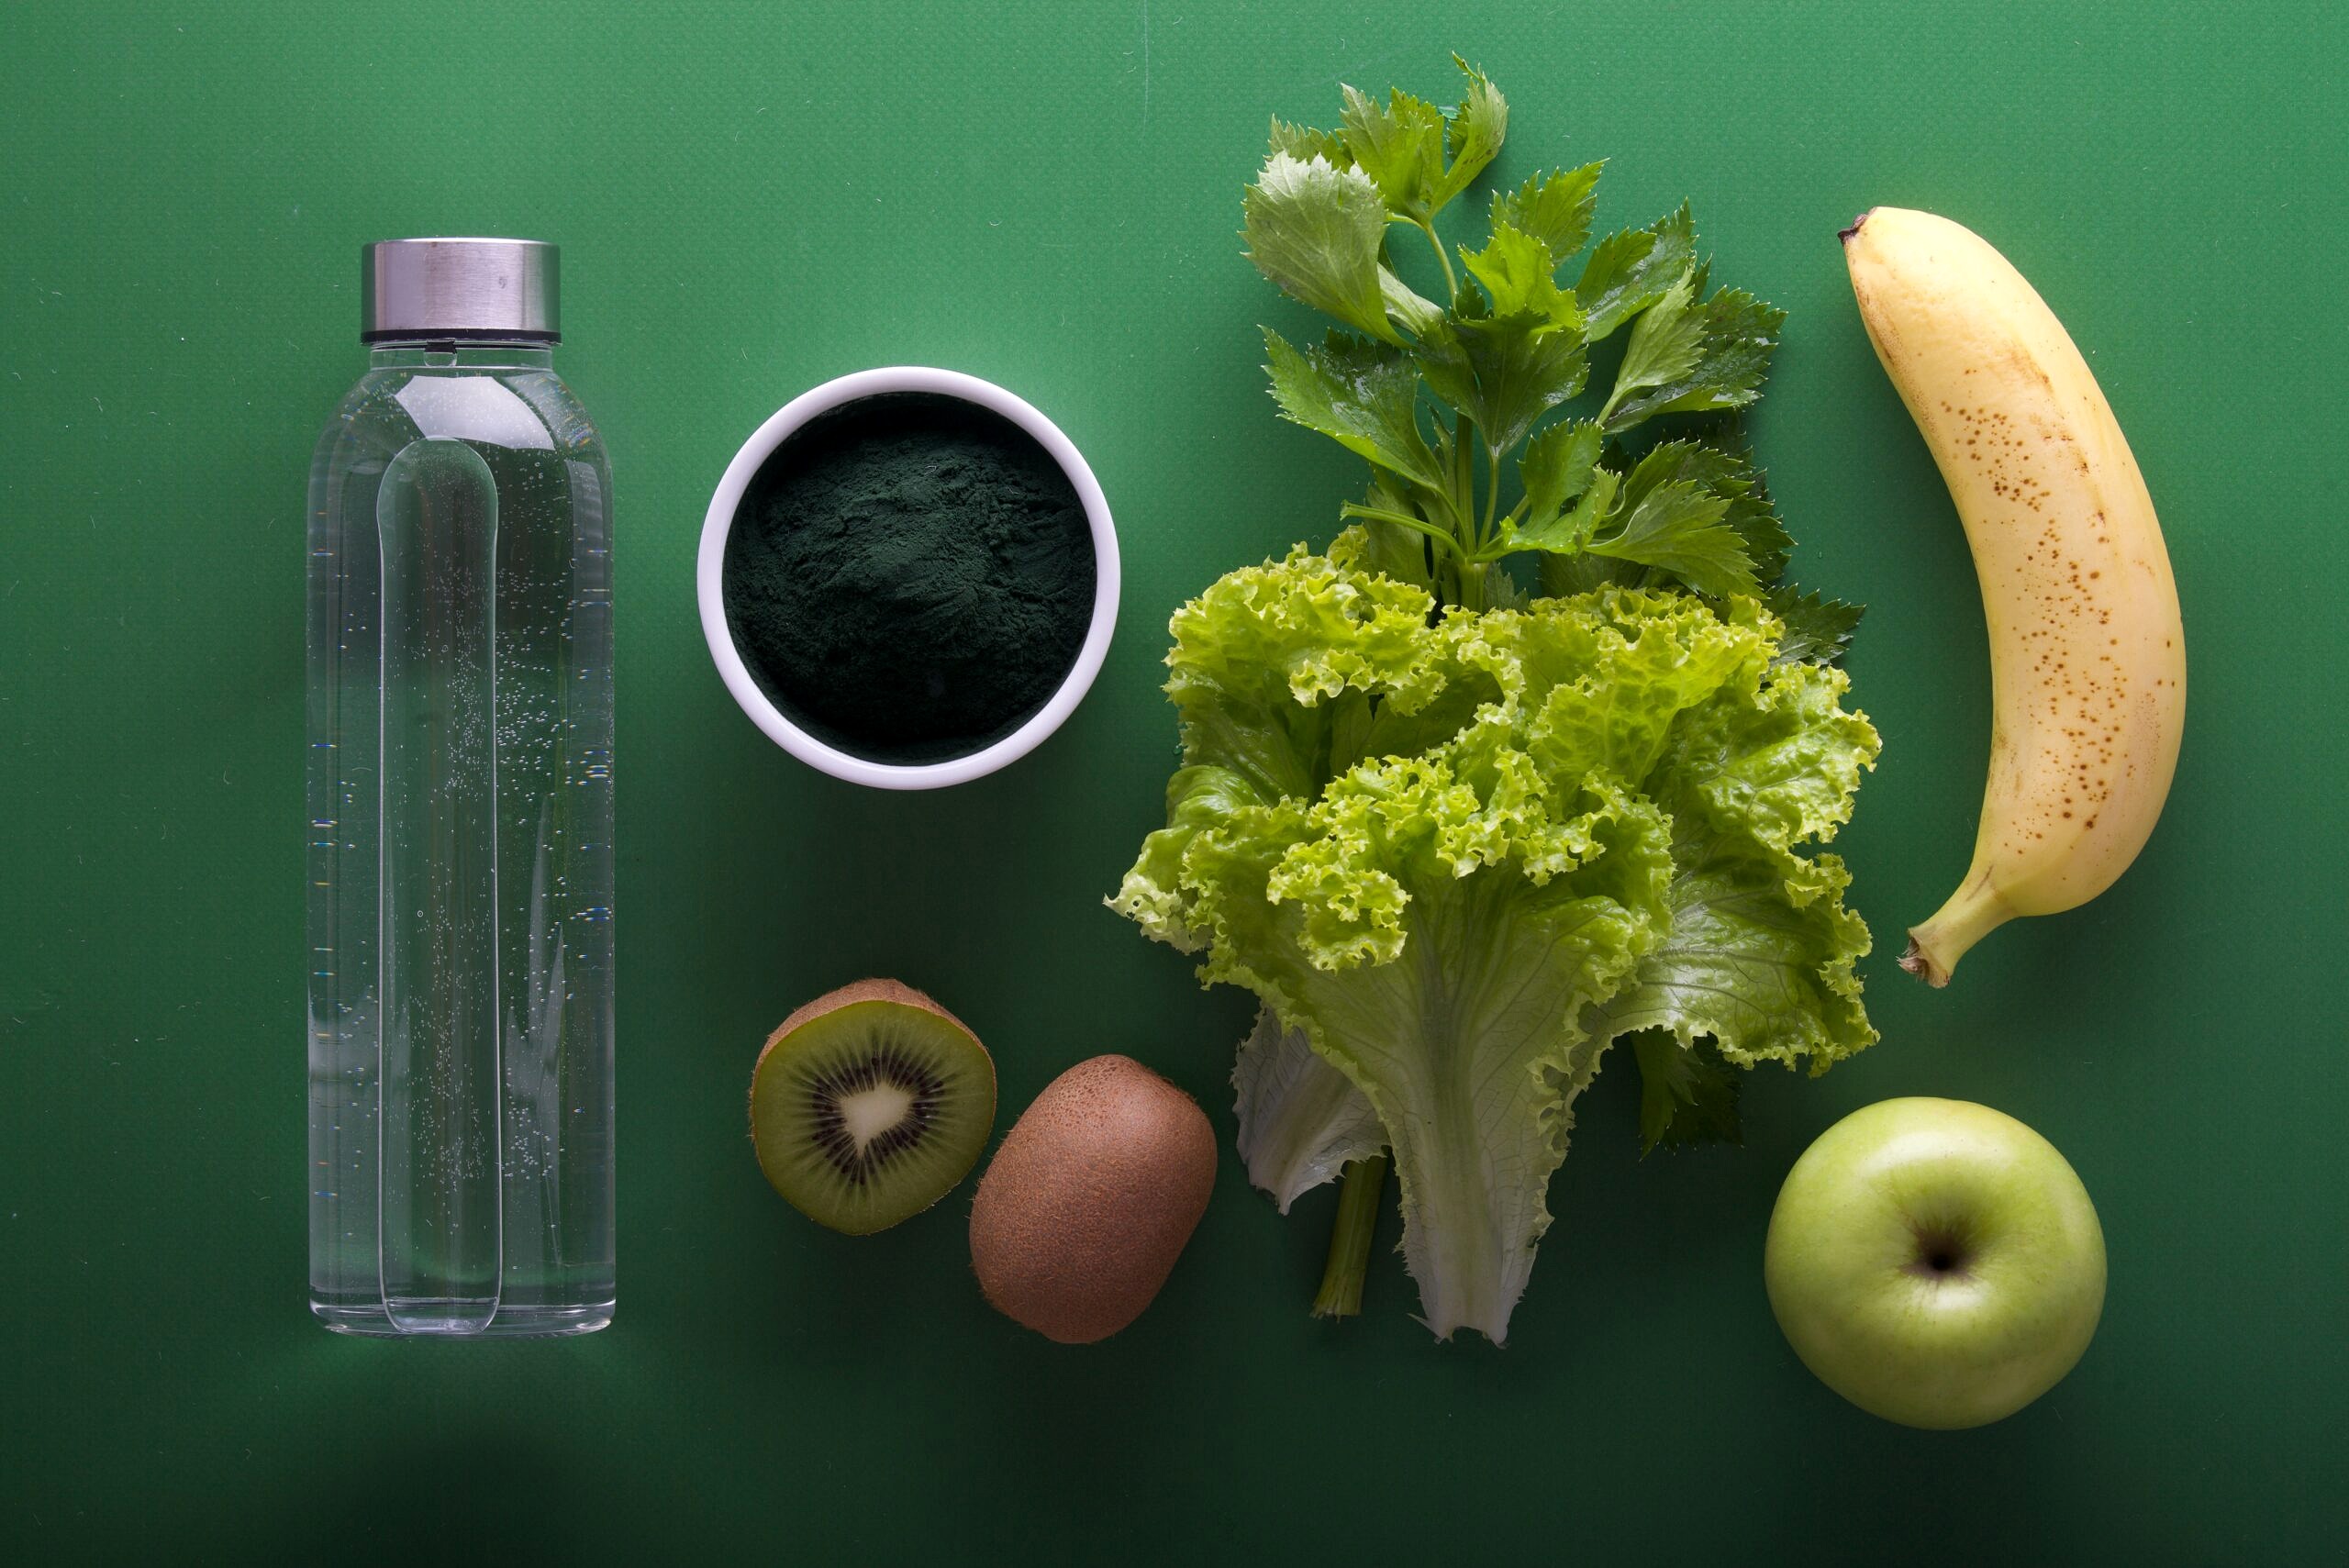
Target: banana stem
{"x":1351,"y":1239}
{"x":1973,"y":912}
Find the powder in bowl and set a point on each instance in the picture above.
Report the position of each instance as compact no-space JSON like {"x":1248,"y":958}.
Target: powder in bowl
{"x":909,"y":577}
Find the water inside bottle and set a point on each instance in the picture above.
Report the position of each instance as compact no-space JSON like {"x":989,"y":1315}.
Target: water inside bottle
{"x":461,"y":868}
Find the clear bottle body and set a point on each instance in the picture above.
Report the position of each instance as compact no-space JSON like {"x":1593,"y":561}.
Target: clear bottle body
{"x":460,"y":863}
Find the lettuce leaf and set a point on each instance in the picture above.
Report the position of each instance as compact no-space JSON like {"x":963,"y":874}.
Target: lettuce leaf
{"x":1300,"y":1119}
{"x":1457,"y":856}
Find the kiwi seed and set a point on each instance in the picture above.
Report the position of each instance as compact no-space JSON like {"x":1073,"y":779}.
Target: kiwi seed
{"x":869,"y":1104}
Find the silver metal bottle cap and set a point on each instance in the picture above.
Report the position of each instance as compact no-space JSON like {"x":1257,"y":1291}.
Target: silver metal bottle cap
{"x":499,"y":289}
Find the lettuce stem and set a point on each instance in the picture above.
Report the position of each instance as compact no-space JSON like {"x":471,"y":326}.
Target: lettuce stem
{"x":1351,"y":1238}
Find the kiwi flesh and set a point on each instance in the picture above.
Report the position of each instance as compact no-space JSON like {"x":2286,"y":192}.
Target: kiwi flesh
{"x":869,"y":1104}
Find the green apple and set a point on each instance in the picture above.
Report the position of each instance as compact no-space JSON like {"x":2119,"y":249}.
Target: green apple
{"x":1936,"y":1262}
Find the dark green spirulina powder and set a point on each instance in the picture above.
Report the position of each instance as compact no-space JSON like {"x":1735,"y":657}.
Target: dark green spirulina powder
{"x":909,"y":577}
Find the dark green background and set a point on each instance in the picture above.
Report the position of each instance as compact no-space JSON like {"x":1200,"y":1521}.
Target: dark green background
{"x":752,"y":199}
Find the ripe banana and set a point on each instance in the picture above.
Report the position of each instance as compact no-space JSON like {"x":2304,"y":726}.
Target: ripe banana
{"x":2087,"y":655}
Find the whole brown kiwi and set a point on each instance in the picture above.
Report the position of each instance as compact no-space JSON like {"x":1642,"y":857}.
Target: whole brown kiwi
{"x":1085,"y":1208}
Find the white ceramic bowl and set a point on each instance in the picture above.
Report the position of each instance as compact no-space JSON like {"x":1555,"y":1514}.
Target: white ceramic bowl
{"x":719,"y":522}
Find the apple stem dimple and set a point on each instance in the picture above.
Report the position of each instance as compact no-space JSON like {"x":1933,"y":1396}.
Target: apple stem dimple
{"x":1941,"y":1253}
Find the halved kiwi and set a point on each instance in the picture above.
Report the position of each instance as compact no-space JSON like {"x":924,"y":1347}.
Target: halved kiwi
{"x":869,"y":1104}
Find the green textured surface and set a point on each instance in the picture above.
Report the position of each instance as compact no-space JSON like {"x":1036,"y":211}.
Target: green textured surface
{"x":752,"y":199}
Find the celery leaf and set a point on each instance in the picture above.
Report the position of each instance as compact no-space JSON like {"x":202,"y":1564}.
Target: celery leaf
{"x":1819,"y":629}
{"x":1555,"y":208}
{"x":1687,"y":1093}
{"x":1678,"y":529}
{"x":1315,"y":230}
{"x":1474,"y":132}
{"x":1629,"y":271}
{"x":1361,"y":393}
{"x":1733,"y":336}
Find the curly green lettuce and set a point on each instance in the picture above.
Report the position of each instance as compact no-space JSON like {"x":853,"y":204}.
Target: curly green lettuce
{"x":1456,"y":856}
{"x":1459,"y":843}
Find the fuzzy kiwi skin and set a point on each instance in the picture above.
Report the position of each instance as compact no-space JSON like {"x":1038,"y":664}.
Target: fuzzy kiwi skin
{"x":1085,"y":1208}
{"x":875,"y":990}
{"x":872,"y":990}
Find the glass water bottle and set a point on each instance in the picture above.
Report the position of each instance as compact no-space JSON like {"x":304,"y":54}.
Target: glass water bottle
{"x":460,"y":804}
